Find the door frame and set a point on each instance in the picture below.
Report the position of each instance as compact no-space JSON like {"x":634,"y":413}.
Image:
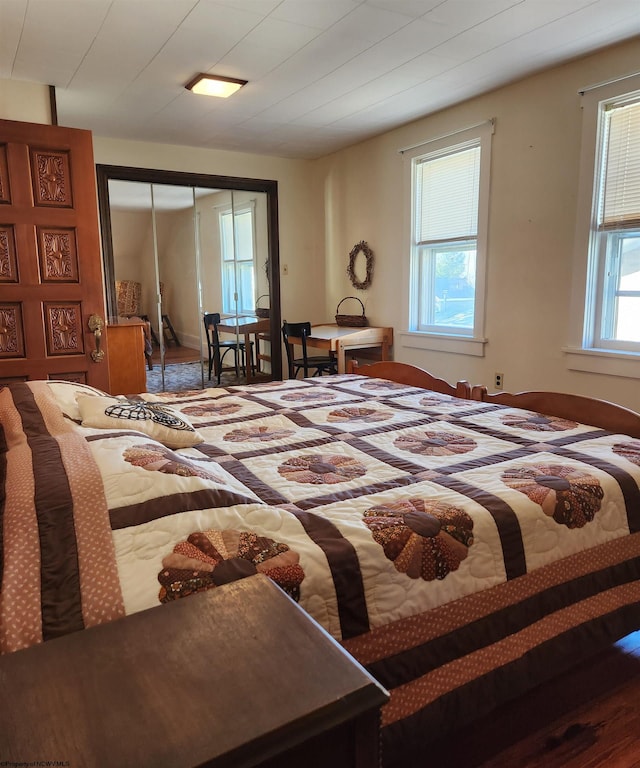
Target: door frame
{"x":105,"y":173}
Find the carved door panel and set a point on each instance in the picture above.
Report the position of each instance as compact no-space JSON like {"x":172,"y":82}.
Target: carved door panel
{"x":51,"y":280}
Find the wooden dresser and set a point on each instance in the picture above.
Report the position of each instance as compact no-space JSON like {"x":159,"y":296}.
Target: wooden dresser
{"x":127,"y":372}
{"x":236,"y":676}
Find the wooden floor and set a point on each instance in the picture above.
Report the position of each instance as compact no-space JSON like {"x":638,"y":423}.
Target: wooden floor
{"x":587,"y":718}
{"x":175,"y":354}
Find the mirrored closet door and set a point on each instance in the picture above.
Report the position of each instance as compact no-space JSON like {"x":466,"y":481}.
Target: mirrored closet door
{"x":179,"y":255}
{"x":233,"y":244}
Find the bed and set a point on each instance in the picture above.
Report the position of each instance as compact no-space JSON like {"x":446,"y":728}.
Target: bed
{"x":462,"y":550}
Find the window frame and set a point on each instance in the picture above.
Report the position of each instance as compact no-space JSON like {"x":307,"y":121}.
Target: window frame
{"x":586,"y":349}
{"x":447,"y":338}
{"x":607,"y":288}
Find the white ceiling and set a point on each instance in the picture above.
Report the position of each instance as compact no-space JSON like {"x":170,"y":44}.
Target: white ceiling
{"x":323,"y":74}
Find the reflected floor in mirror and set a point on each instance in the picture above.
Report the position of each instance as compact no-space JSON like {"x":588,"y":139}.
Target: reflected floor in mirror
{"x":183,"y":372}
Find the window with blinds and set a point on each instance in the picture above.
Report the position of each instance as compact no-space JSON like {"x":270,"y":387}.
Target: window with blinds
{"x":444,"y":253}
{"x":620,"y":205}
{"x":615,"y":239}
{"x":447,"y":191}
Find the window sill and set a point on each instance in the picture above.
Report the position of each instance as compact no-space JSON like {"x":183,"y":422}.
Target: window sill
{"x":610,"y":363}
{"x":435,"y":342}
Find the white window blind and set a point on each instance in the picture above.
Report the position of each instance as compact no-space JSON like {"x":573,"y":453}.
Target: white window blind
{"x":620,"y":204}
{"x":447,"y":187}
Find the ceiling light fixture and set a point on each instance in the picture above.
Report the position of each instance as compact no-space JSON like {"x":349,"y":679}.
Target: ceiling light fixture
{"x":214,"y":85}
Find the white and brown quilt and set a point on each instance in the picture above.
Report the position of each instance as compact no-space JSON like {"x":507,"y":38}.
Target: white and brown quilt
{"x":448,"y":544}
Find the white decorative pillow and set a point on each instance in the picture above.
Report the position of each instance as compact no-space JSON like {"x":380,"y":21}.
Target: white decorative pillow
{"x":67,"y":392}
{"x":158,"y":421}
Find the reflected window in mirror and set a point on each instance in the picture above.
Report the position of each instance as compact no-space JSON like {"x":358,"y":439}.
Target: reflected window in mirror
{"x":237,"y":241}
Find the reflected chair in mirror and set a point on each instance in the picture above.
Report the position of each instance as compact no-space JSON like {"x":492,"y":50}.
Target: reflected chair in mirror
{"x":318,"y":363}
{"x":170,"y":336}
{"x":218,"y":349}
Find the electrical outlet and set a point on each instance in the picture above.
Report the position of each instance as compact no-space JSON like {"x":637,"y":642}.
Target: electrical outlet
{"x":285,"y":269}
{"x":499,"y":380}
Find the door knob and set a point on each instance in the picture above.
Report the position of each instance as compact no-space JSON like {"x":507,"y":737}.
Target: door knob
{"x":96,"y":324}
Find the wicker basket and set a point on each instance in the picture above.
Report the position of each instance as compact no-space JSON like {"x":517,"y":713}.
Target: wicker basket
{"x":262,"y":311}
{"x":351,"y":321}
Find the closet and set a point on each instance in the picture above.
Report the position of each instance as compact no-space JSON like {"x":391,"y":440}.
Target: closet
{"x":180,"y":245}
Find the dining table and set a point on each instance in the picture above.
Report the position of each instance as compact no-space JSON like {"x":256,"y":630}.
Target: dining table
{"x":340,"y":340}
{"x":247,"y":326}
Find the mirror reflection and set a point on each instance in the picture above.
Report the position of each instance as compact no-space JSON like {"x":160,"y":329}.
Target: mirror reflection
{"x":194,"y":264}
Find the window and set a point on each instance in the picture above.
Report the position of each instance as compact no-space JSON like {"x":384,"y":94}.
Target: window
{"x":605,"y":310}
{"x":614,"y":320}
{"x":238,"y":261}
{"x":449,"y":205}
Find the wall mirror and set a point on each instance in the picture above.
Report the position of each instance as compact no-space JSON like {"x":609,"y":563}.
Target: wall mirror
{"x":193,"y":244}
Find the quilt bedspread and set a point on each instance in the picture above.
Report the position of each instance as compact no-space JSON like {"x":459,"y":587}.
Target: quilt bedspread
{"x":461,"y":551}
{"x":368,"y":501}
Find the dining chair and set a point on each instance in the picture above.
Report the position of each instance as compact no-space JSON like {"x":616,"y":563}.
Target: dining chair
{"x":321,"y":363}
{"x":218,"y":349}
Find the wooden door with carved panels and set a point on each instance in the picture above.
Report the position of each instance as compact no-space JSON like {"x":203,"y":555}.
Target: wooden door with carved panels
{"x":51,"y":279}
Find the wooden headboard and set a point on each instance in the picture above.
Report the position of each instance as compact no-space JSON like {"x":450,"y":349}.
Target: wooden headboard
{"x":587,"y":410}
{"x":403,"y":373}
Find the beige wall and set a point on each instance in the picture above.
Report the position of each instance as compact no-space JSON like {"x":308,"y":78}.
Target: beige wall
{"x":360,"y":194}
{"x":133,"y":248}
{"x":28,"y":102}
{"x":177,"y":271}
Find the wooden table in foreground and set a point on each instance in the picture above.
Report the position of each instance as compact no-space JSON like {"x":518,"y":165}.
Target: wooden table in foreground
{"x":246,"y":326}
{"x":234,"y":677}
{"x":340,"y":340}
